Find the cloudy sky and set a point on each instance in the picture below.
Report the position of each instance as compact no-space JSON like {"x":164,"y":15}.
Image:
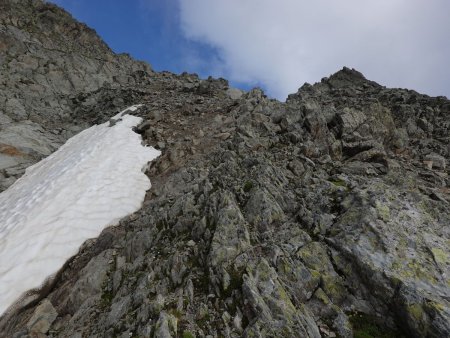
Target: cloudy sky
{"x":280,"y":44}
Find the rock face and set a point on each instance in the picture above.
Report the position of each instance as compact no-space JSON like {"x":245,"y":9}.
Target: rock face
{"x":326,"y":215}
{"x":50,"y":64}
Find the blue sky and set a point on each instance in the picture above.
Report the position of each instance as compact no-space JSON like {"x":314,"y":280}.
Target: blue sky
{"x":279,"y":45}
{"x":149,"y":30}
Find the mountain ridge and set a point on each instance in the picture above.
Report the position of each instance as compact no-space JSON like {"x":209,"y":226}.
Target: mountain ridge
{"x":326,"y":215}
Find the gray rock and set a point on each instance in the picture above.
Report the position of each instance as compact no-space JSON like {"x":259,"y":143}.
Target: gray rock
{"x":166,"y":326}
{"x":269,"y":301}
{"x":301,"y":219}
{"x":234,"y":93}
{"x":43,"y":317}
{"x":262,"y":210}
{"x":436,"y":161}
{"x":92,"y":281}
{"x":231,"y":236}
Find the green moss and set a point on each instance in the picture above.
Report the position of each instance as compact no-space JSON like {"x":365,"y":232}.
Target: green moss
{"x":333,"y":287}
{"x":412,"y":269}
{"x":314,"y":256}
{"x":106,"y":299}
{"x":288,"y":306}
{"x":188,"y":334}
{"x":416,"y":311}
{"x":339,"y":183}
{"x":418,"y":271}
{"x":315,"y":274}
{"x":383,"y":211}
{"x":176,"y":313}
{"x":366,"y":326}
{"x":161,"y":225}
{"x":201,"y":283}
{"x":203,"y":321}
{"x":285,"y":267}
{"x":435,"y":306}
{"x":321,"y":295}
{"x":235,"y":282}
{"x":440,"y":256}
{"x":186,"y":302}
{"x":248,"y":186}
{"x":352,"y":215}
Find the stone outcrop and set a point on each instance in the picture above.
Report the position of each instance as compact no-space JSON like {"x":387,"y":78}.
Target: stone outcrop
{"x":326,"y":215}
{"x":50,"y":64}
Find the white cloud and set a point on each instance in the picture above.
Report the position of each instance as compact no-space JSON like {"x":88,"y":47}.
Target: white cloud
{"x":283,"y":43}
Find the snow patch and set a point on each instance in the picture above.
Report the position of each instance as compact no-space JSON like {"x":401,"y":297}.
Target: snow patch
{"x":95,"y":179}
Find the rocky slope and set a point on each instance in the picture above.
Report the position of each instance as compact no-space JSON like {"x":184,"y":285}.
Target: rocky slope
{"x":51,"y":67}
{"x":326,"y":215}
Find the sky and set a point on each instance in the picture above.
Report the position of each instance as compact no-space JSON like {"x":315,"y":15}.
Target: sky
{"x":280,"y":44}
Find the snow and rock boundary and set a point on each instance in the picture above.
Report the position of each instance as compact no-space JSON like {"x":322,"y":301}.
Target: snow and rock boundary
{"x":95,"y":179}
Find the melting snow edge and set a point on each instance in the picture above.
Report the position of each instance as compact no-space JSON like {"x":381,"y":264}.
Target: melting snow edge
{"x":94,"y":179}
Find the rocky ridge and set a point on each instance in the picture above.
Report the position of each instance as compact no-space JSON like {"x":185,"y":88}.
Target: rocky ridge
{"x":326,"y":215}
{"x":50,"y":67}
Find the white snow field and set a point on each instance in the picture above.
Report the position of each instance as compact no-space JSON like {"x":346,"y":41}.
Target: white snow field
{"x":95,"y":179}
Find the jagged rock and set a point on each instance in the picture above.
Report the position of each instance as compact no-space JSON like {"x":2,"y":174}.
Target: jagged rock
{"x":40,"y":81}
{"x":262,"y":210}
{"x":43,"y":317}
{"x":276,"y":316}
{"x":166,"y":327}
{"x":312,"y":217}
{"x":231,"y":236}
{"x":436,"y":161}
{"x":234,"y":93}
{"x":90,"y":285}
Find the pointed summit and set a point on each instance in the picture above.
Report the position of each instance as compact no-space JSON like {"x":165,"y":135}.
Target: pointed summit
{"x":347,"y":77}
